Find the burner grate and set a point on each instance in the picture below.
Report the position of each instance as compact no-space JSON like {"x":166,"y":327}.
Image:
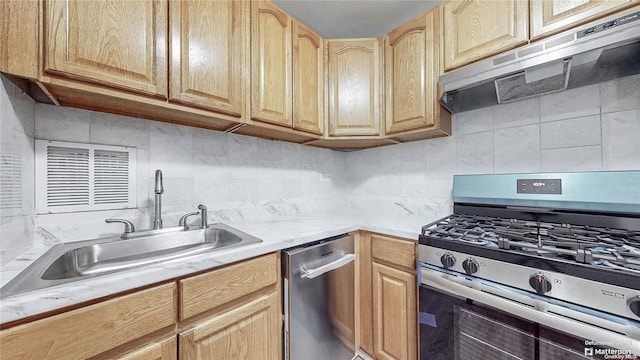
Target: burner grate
{"x":617,"y":249}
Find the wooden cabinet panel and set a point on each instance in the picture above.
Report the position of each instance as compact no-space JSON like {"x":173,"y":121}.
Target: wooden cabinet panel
{"x":354,"y":87}
{"x":412,"y":66}
{"x":207,"y":60}
{"x":308,"y":76}
{"x":270,"y":64}
{"x":551,"y":16}
{"x":100,"y":327}
{"x":121,"y":44}
{"x":340,"y":285}
{"x":406,"y":68}
{"x":475,"y":29}
{"x":218,"y":287}
{"x":162,"y":350}
{"x":19,"y":38}
{"x":394,"y":251}
{"x":394,"y":313}
{"x":250,"y":331}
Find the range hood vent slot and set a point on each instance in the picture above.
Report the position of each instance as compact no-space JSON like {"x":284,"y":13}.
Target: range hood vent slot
{"x":520,"y":86}
{"x":589,"y":55}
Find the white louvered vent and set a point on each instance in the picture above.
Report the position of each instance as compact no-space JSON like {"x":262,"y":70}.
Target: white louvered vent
{"x":84,"y":177}
{"x":10,"y":179}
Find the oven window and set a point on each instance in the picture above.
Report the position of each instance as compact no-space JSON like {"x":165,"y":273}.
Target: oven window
{"x":452,"y":328}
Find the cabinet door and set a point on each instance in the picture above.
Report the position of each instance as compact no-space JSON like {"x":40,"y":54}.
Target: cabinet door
{"x":91,"y":330}
{"x":412,"y":63}
{"x":354,"y":87}
{"x":394,"y":313}
{"x":206,"y":54}
{"x":162,"y":350}
{"x":551,"y":16}
{"x":115,"y":43}
{"x":250,"y":331}
{"x":475,"y":29}
{"x":308,"y":76}
{"x":270,"y":64}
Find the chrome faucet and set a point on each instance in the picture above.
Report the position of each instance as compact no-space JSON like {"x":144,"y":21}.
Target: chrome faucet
{"x":159,"y":189}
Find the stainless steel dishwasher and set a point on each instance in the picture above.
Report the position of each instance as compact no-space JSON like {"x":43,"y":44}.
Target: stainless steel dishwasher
{"x":318,"y":281}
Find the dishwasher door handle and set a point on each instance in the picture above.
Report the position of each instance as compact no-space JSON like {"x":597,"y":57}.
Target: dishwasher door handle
{"x":310,"y":274}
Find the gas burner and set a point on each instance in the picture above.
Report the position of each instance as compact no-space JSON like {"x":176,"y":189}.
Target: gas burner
{"x":578,"y":243}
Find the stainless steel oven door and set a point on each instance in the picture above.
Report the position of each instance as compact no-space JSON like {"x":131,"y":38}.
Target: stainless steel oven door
{"x":463,"y":318}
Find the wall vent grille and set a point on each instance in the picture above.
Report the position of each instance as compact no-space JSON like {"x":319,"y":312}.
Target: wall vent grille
{"x":10,"y":179}
{"x":84,"y":177}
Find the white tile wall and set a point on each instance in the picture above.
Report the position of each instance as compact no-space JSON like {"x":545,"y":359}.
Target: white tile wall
{"x":591,"y":128}
{"x":595,"y":127}
{"x":17,"y":119}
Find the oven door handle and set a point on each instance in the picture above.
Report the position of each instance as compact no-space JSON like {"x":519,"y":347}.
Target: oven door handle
{"x":457,"y":286}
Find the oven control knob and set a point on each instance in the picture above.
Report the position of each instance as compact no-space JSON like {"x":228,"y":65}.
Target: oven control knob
{"x":540,"y":283}
{"x":634,"y":305}
{"x":447,"y":260}
{"x":470,"y":266}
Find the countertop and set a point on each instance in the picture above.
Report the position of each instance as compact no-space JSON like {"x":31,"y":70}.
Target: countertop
{"x":276,"y":234}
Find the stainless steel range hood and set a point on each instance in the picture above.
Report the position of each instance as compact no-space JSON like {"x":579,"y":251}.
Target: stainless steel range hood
{"x":587,"y":55}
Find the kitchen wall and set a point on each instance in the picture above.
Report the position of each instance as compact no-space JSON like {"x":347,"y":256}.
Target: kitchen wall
{"x":237,"y":177}
{"x":17,"y":119}
{"x":590,"y":128}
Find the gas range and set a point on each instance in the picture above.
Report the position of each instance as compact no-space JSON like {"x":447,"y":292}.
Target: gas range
{"x":572,"y":237}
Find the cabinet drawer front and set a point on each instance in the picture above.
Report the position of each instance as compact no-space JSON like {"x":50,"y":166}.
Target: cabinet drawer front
{"x":207,"y":291}
{"x":394,"y":251}
{"x":89,"y":331}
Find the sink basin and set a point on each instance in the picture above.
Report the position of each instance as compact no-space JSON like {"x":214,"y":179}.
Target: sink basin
{"x":69,"y":262}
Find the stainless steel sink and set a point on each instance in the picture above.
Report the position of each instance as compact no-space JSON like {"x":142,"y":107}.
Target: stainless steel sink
{"x":69,"y":262}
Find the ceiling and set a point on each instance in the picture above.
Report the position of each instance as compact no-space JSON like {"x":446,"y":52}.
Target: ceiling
{"x":333,"y":19}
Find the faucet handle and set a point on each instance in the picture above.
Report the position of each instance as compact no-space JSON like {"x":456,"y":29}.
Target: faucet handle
{"x":183,"y":219}
{"x":203,"y":216}
{"x":128,"y":226}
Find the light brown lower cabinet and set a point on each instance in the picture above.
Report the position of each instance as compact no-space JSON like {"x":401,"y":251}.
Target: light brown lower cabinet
{"x":250,"y":331}
{"x":394,"y":322}
{"x":387,"y":320}
{"x":232,"y":312}
{"x":94,"y":329}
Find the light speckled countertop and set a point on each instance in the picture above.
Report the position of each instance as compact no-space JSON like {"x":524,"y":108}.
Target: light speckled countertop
{"x":276,"y":234}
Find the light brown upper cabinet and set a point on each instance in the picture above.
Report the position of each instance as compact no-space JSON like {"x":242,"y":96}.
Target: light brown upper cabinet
{"x":308,"y":77}
{"x":120,"y":44}
{"x":354,"y":82}
{"x":270,"y":64}
{"x":551,"y":16}
{"x":207,"y":58}
{"x":412,"y":67}
{"x":475,"y":29}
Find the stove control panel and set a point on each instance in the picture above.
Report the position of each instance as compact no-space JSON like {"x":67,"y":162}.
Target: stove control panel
{"x":605,"y":297}
{"x":540,"y":186}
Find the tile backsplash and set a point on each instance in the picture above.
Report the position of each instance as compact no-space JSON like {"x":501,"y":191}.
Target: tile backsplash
{"x":590,"y":128}
{"x":17,"y":121}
